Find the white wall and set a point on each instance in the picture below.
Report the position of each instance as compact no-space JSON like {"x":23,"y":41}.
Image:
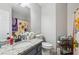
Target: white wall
{"x":35,"y":18}
{"x":70,"y":16}
{"x":7,"y":7}
{"x":48,"y":22}
{"x":61,"y":19}
{"x":4,"y":24}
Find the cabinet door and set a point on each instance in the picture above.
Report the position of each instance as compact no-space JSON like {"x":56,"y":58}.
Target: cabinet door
{"x":4,"y":23}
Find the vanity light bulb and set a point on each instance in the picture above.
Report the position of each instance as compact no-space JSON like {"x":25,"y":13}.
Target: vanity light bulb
{"x":25,"y":4}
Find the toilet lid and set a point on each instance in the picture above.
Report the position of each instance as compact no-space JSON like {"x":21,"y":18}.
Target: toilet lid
{"x":46,"y":44}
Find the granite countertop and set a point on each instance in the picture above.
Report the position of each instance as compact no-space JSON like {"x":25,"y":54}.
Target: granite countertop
{"x":19,"y":47}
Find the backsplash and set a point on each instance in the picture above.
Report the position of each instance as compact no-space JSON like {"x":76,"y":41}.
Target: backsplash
{"x":3,"y":37}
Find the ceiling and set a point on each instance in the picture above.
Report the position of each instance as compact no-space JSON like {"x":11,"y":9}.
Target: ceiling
{"x":43,"y":4}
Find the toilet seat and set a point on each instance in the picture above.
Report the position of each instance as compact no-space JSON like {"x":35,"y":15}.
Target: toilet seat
{"x":47,"y":45}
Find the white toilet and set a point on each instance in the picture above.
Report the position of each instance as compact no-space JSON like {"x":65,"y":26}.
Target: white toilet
{"x":46,"y":48}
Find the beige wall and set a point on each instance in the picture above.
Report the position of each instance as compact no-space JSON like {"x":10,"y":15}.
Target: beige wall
{"x":61,"y":19}
{"x":35,"y":18}
{"x":70,"y":16}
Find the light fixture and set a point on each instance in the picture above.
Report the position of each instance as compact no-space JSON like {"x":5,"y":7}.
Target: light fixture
{"x":25,"y":4}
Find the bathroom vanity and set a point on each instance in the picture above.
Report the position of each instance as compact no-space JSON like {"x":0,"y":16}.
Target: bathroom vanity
{"x":35,"y":50}
{"x":31,"y":47}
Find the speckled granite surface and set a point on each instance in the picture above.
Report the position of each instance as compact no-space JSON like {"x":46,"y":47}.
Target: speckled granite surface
{"x":19,"y":47}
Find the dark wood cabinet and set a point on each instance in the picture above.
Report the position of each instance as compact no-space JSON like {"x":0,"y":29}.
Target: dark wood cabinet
{"x":35,"y":50}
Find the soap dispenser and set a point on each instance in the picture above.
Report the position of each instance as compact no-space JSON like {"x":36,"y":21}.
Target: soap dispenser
{"x":11,"y":40}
